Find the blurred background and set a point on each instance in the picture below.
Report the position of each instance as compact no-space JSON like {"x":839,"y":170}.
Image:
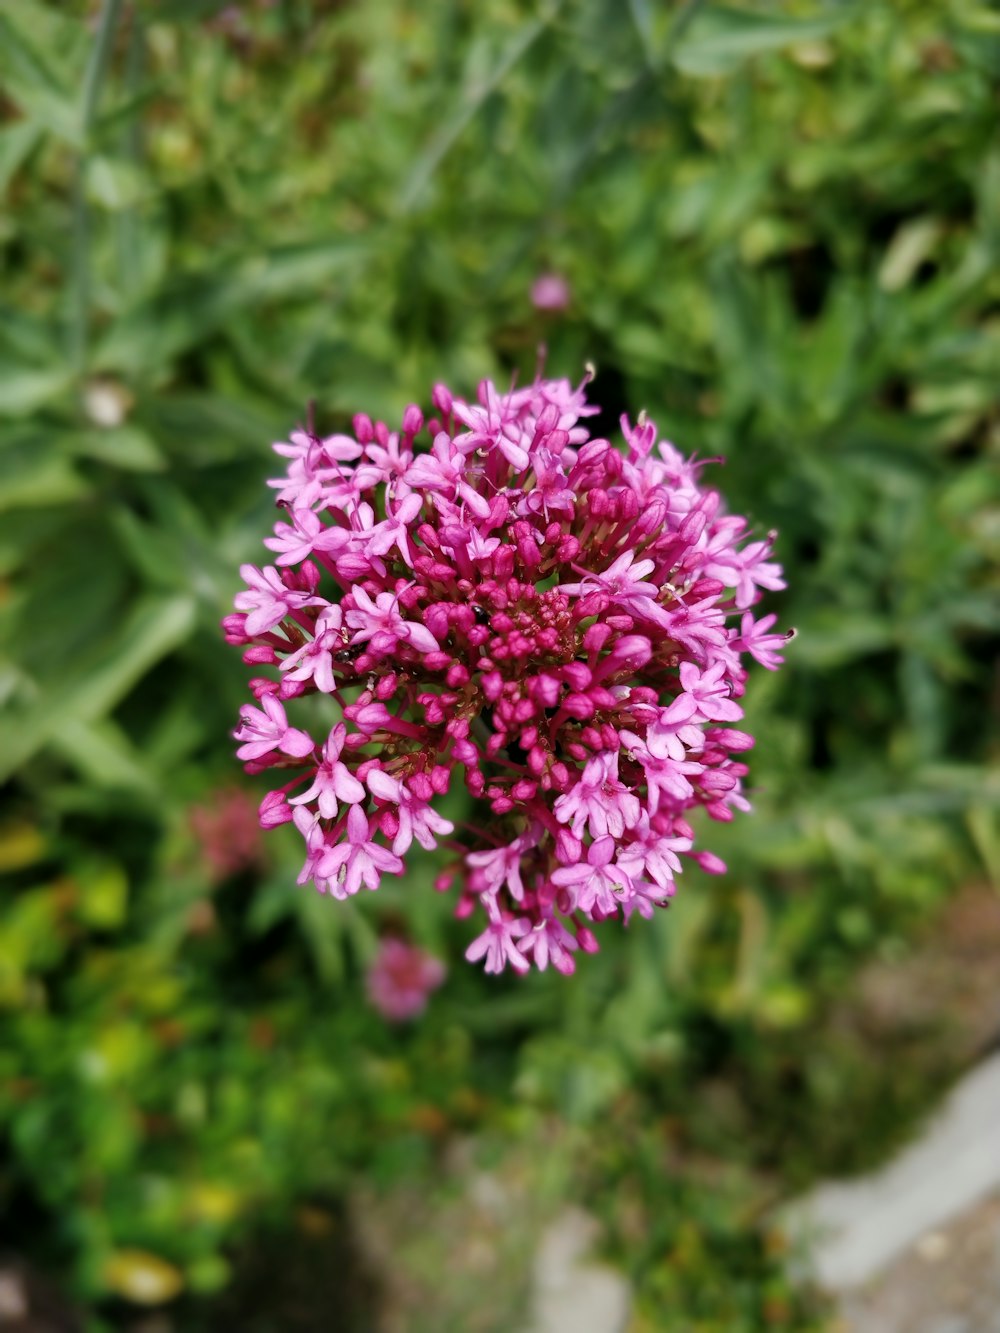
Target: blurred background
{"x":774,"y":226}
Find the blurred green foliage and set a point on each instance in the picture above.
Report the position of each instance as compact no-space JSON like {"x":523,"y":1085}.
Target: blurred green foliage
{"x":780,"y":225}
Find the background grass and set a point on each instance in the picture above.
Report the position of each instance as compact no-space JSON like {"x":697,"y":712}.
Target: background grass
{"x":780,"y":226}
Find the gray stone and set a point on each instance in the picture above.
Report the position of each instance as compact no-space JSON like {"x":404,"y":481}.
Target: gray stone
{"x":571,"y":1293}
{"x":853,"y":1231}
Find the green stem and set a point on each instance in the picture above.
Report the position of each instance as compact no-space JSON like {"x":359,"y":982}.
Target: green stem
{"x":128,"y":219}
{"x":92,"y":81}
{"x":98,"y":64}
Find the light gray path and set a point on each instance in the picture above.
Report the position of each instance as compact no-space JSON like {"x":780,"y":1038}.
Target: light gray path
{"x":855,"y":1230}
{"x":571,"y":1293}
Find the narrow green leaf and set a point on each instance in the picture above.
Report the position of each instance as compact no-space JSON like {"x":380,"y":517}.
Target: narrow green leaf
{"x":16,"y":143}
{"x":103,"y":754}
{"x":34,"y":77}
{"x":154,"y":628}
{"x":114,"y":184}
{"x":35,"y":480}
{"x":642,"y":21}
{"x":719,"y":38}
{"x":193,"y":305}
{"x":125,"y":447}
{"x":833,"y":640}
{"x":453,"y":126}
{"x":24,"y":389}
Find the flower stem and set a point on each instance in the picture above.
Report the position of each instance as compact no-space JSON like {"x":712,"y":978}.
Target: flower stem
{"x":92,"y":81}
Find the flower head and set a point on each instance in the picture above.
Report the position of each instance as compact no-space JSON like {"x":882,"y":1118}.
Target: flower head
{"x":492,"y":594}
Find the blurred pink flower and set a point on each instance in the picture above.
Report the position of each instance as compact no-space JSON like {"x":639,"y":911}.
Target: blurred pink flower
{"x":228,"y":833}
{"x":550,"y":291}
{"x":401,"y":979}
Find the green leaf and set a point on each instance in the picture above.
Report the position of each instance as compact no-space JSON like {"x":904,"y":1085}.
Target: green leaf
{"x":719,"y":38}
{"x":194,"y":305}
{"x":833,"y":639}
{"x":24,"y":389}
{"x":913,"y":242}
{"x":115,"y":184}
{"x":155,"y":627}
{"x":16,"y":143}
{"x":40,"y":60}
{"x":125,"y":447}
{"x":475,"y":93}
{"x":103,"y":754}
{"x":36,"y":477}
{"x":103,"y":893}
{"x":642,"y":21}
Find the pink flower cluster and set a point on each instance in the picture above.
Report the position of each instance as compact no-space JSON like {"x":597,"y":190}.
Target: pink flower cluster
{"x":559,"y":620}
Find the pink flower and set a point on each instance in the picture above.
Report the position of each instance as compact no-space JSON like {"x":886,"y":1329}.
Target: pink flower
{"x":305,"y":534}
{"x":379,"y":620}
{"x":549,"y":941}
{"x":496,"y":945}
{"x":652,"y":856}
{"x":263,"y":732}
{"x":710,"y":691}
{"x":268,"y":599}
{"x":501,"y":867}
{"x":550,"y":291}
{"x":487,"y":591}
{"x":754,"y":638}
{"x":359,"y":860}
{"x":333,"y":781}
{"x":401,"y":978}
{"x":624,"y":583}
{"x":314,"y":661}
{"x":595,"y":883}
{"x":599,"y":802}
{"x":491,"y":426}
{"x":228,"y":833}
{"x":415,"y":817}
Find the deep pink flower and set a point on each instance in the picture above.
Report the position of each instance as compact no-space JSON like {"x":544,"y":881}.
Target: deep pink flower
{"x":599,"y":802}
{"x":264,"y":732}
{"x":414,"y":815}
{"x":596,"y":882}
{"x":491,"y":592}
{"x":333,"y":781}
{"x":358,"y":860}
{"x":496,"y":945}
{"x":268,"y":599}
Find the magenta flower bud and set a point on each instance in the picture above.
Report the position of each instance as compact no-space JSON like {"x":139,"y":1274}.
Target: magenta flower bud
{"x":586,"y":940}
{"x":261,"y":654}
{"x":732,"y":740}
{"x":709,"y":862}
{"x":275,"y":810}
{"x":413,"y":420}
{"x":442,"y":399}
{"x":363,"y":428}
{"x":578,"y":675}
{"x":465,"y":752}
{"x":234,"y":628}
{"x":599,"y":503}
{"x":578,"y":706}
